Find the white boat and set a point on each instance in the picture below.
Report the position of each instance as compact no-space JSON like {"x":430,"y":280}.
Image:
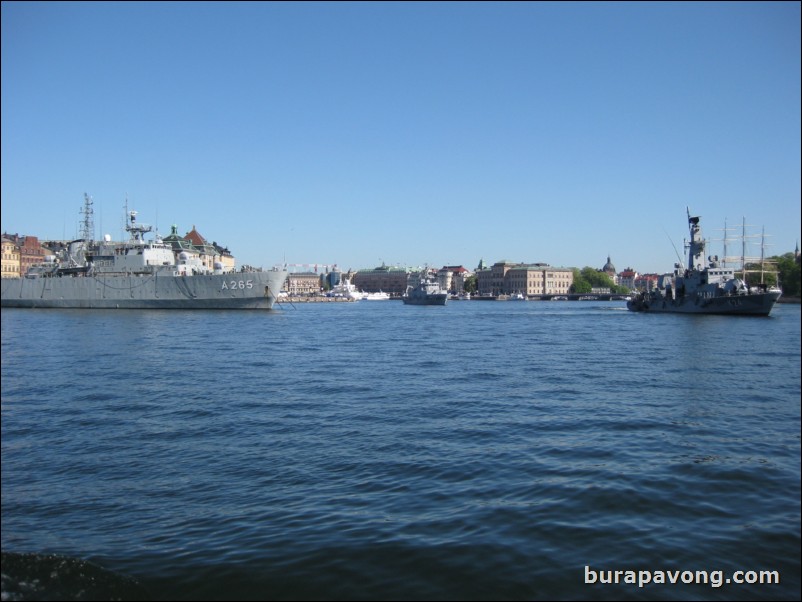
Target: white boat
{"x":380,"y":296}
{"x":346,"y":290}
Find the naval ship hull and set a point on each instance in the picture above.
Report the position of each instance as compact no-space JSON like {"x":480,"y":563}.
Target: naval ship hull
{"x":239,"y":290}
{"x":759,"y":304}
{"x":433,"y":299}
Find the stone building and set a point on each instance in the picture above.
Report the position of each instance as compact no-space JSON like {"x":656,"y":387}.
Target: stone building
{"x":538,"y":279}
{"x":533,"y":279}
{"x":627,"y":278}
{"x":452,"y":278}
{"x":207,"y":252}
{"x":387,"y":279}
{"x":303,"y":284}
{"x":11,"y":259}
{"x":31,"y":252}
{"x":609,"y":269}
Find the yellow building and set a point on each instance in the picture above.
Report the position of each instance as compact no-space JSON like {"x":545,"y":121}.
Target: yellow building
{"x":505,"y":278}
{"x":28,"y":251}
{"x":538,"y":279}
{"x":11,"y":260}
{"x":225,"y":258}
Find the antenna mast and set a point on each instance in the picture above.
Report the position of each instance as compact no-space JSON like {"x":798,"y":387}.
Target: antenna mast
{"x":88,"y":228}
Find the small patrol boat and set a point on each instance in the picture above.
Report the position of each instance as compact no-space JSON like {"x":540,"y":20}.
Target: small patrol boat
{"x":427,"y":292}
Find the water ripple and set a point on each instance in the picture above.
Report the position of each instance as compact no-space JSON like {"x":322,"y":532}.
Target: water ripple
{"x":362,"y":451}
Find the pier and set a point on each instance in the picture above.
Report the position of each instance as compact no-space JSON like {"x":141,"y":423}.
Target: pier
{"x":570,"y":297}
{"x":313,"y":299}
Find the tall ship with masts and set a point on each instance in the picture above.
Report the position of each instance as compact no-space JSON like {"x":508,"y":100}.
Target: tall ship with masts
{"x":706,"y":286}
{"x":137,"y":274}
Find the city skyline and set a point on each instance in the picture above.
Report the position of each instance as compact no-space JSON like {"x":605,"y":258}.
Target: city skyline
{"x":409,"y":133}
{"x":324,"y":266}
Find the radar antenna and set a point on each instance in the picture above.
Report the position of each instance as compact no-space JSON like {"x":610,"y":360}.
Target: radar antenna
{"x":88,"y":228}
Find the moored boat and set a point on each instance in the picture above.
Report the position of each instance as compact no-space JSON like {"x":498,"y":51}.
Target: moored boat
{"x":138,"y":274}
{"x":379,"y":296}
{"x":346,"y":290}
{"x":427,"y":292}
{"x":705,"y":287}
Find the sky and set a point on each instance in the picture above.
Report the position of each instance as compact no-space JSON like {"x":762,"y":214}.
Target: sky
{"x":356,"y":134}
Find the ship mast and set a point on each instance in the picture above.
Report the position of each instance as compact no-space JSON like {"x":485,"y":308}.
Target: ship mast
{"x":137,"y":231}
{"x":696,"y":247}
{"x":747,"y":262}
{"x":743,"y":248}
{"x":88,"y":227}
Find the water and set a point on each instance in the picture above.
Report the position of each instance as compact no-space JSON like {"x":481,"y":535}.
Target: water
{"x":482,"y":450}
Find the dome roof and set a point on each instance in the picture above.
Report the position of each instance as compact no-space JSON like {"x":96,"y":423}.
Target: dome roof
{"x":609,"y":267}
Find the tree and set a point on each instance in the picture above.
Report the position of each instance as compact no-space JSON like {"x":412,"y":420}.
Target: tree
{"x":580,"y":285}
{"x":589,"y":278}
{"x":789,"y":271}
{"x":471,"y":284}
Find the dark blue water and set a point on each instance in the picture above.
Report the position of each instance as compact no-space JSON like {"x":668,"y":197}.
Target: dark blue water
{"x":381,"y":451}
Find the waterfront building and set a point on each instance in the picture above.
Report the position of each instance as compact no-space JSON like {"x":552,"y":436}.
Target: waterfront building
{"x":490,"y":280}
{"x":226,"y":259}
{"x":483,"y":280}
{"x":452,"y":278}
{"x":332,"y":279}
{"x":609,"y":269}
{"x":178,"y":242}
{"x":303,"y":284}
{"x":627,"y":278}
{"x":515,"y":279}
{"x":31,"y":252}
{"x":505,"y":278}
{"x":207,"y":252}
{"x":386,"y":279}
{"x":538,"y":279}
{"x":180,"y":245}
{"x":11,"y":259}
{"x":646,"y":282}
{"x":497,"y":273}
{"x":198,"y":251}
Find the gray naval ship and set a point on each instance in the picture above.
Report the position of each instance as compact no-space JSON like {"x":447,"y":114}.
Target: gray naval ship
{"x":427,"y":292}
{"x":138,"y":274}
{"x":705,"y":287}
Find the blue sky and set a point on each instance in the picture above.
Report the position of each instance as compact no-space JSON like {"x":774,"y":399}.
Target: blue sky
{"x":410,"y":133}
